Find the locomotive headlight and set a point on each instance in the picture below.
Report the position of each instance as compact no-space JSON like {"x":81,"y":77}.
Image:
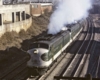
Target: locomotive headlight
{"x":35,"y":51}
{"x":44,"y":57}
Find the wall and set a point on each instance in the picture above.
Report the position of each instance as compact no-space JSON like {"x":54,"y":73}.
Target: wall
{"x":16,"y":26}
{"x":39,"y":8}
{"x":7,"y":18}
{"x":6,"y":8}
{"x":36,"y":9}
{"x":47,"y":8}
{"x":1,"y":2}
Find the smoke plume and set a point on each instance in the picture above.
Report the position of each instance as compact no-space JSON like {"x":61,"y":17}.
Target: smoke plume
{"x":67,"y":12}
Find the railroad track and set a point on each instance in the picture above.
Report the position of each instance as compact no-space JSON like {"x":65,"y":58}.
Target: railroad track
{"x":13,"y":70}
{"x":94,"y":64}
{"x":72,"y":63}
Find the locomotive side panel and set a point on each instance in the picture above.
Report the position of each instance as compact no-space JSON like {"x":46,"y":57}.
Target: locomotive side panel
{"x":75,"y":30}
{"x":55,"y":47}
{"x":66,"y":39}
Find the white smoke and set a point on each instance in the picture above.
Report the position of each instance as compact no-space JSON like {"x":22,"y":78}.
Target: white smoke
{"x":68,"y":11}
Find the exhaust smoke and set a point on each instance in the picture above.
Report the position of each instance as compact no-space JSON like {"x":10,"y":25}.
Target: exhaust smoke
{"x":67,"y":12}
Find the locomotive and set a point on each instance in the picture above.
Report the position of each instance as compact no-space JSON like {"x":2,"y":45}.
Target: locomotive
{"x":45,"y":50}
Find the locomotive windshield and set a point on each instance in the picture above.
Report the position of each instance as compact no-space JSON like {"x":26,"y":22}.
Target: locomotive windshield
{"x":39,"y":45}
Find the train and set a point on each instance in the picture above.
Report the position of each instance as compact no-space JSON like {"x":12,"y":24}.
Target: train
{"x":46,"y":49}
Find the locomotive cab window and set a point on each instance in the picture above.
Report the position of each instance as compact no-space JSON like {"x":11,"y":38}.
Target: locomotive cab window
{"x":39,"y":45}
{"x":34,"y":45}
{"x":43,"y":45}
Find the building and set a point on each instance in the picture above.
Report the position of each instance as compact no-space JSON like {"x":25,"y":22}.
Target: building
{"x":39,"y":8}
{"x":14,"y":17}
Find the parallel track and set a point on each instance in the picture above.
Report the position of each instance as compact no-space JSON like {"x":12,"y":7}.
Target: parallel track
{"x":13,"y":71}
{"x":94,"y":65}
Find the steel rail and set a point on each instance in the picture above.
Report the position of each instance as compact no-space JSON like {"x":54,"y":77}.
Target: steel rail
{"x":89,"y":53}
{"x":82,"y":68}
{"x":6,"y":73}
{"x":98,"y":65}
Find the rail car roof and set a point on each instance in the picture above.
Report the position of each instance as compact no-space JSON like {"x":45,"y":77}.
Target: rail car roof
{"x":51,"y":39}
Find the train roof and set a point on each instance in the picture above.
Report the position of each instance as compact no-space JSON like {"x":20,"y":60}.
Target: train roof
{"x":50,"y":39}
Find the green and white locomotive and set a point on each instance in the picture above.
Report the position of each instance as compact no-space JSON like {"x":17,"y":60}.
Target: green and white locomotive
{"x":45,"y":50}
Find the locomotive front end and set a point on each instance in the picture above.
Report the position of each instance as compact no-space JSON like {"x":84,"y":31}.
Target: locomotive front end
{"x":38,"y":62}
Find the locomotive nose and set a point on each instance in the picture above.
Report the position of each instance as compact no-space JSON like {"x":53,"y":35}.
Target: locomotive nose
{"x":29,"y":56}
{"x":35,"y":51}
